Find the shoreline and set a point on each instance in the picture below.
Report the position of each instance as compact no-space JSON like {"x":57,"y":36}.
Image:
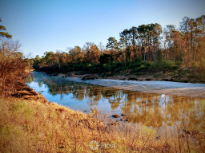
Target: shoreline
{"x":196,"y":90}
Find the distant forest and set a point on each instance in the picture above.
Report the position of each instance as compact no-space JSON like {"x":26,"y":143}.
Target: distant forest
{"x":138,"y":48}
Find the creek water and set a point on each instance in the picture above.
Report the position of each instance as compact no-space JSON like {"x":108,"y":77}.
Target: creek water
{"x":152,"y":110}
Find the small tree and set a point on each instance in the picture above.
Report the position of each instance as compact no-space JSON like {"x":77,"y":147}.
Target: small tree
{"x":12,"y":66}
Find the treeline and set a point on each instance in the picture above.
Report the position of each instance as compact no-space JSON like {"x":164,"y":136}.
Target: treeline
{"x":137,"y":48}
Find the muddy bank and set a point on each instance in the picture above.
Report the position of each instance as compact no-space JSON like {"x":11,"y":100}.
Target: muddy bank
{"x":186,"y":75}
{"x":24,"y":92}
{"x":160,"y":87}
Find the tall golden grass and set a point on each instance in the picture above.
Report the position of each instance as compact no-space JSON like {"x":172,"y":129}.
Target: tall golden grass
{"x":33,"y":126}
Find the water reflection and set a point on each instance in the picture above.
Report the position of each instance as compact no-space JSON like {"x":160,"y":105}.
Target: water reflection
{"x":149,"y":109}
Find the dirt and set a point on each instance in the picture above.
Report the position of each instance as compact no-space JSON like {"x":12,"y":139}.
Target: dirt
{"x":25,"y":92}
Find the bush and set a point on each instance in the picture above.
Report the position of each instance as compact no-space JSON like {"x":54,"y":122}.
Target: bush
{"x":12,"y":65}
{"x":107,"y":67}
{"x":152,"y":66}
{"x":170,"y":65}
{"x":134,"y":65}
{"x":141,"y":68}
{"x":178,"y":63}
{"x":138,"y":60}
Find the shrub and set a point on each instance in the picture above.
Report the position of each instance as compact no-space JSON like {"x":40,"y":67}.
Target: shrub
{"x":12,"y":65}
{"x":141,"y":68}
{"x":134,"y":65}
{"x":152,"y":66}
{"x":178,"y":63}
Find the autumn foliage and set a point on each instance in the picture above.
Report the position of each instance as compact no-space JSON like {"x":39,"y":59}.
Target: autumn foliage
{"x":12,"y":66}
{"x":148,"y":43}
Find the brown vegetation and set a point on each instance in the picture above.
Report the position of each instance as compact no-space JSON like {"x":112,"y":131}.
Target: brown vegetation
{"x":12,"y":67}
{"x":36,"y":126}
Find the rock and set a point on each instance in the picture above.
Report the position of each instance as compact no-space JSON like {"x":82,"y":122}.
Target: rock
{"x":148,"y":78}
{"x":89,"y":77}
{"x":184,"y":79}
{"x":132,"y":78}
{"x":193,"y":80}
{"x":116,"y":116}
{"x":168,"y":78}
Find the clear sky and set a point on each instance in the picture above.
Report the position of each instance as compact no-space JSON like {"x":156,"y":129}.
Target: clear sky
{"x":47,"y":25}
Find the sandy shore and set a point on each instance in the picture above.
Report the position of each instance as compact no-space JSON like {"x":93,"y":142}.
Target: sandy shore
{"x":160,"y":87}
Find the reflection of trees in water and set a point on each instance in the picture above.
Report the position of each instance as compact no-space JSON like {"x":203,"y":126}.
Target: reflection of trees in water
{"x":150,"y":109}
{"x":155,"y":110}
{"x":116,"y":100}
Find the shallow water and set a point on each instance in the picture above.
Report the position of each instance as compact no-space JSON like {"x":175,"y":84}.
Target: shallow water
{"x":140,"y":85}
{"x":153,"y":110}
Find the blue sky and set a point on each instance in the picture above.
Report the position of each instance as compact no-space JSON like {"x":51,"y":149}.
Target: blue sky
{"x":47,"y":25}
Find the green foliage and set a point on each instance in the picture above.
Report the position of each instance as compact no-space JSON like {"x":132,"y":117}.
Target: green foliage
{"x":106,"y":58}
{"x":112,"y":43}
{"x":169,"y":65}
{"x":152,"y":66}
{"x":4,"y":34}
{"x":134,"y":65}
{"x":139,"y":69}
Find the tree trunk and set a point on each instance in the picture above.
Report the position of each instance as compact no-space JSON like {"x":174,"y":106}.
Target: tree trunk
{"x":125,"y":58}
{"x":144,"y":52}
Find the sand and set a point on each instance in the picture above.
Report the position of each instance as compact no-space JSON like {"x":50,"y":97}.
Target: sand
{"x":160,"y":87}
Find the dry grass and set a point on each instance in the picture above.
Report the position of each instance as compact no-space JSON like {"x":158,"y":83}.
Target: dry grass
{"x":34,"y":126}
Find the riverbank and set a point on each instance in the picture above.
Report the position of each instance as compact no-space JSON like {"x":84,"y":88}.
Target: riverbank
{"x":30,"y":123}
{"x":161,"y":87}
{"x":179,"y":74}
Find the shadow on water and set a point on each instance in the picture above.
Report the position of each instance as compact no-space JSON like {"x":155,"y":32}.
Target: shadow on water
{"x":149,"y":109}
